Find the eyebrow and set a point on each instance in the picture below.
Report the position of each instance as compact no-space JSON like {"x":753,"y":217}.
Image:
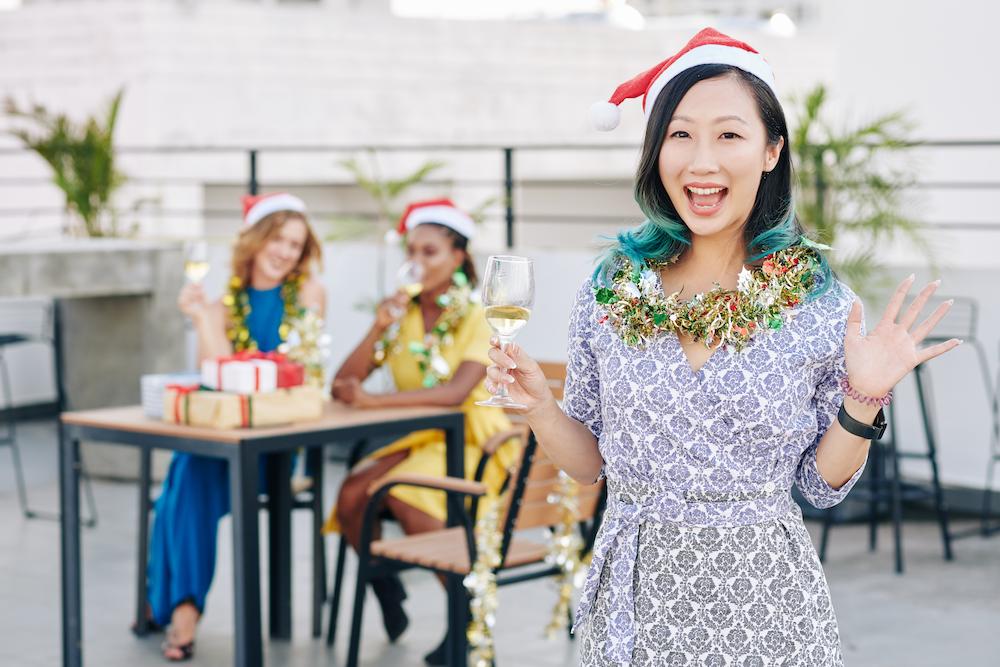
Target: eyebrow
{"x":717,"y":120}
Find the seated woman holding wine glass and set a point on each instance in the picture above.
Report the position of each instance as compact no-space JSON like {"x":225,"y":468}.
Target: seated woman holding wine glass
{"x":433,"y":336}
{"x":272,"y":263}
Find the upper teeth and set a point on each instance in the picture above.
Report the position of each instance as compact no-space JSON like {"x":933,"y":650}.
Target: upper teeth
{"x":705,"y":191}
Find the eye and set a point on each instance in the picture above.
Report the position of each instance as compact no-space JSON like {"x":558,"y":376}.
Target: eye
{"x":731,"y":135}
{"x":679,"y":134}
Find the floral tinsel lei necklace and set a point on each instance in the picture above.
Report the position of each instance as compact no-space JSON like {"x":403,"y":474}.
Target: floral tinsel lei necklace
{"x":637,"y":308}
{"x":433,"y":366}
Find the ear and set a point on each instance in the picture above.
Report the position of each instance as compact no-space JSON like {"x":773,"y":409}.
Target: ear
{"x":772,"y":153}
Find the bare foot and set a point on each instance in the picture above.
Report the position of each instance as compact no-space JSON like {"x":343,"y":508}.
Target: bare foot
{"x":183,"y":625}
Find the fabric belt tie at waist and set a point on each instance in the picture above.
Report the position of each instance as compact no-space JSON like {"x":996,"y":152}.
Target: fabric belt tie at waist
{"x":620,"y":533}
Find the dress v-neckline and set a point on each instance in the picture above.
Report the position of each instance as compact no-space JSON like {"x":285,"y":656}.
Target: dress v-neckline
{"x":695,"y":372}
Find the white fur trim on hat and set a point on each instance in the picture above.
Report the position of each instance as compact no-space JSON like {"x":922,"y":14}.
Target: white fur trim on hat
{"x":605,"y":116}
{"x":442,"y":215}
{"x":269,"y":205}
{"x":711,"y":54}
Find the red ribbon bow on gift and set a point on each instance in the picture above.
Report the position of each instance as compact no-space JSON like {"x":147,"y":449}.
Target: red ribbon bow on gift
{"x":183,"y":391}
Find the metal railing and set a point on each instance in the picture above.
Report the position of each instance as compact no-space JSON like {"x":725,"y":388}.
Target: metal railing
{"x":504,"y":180}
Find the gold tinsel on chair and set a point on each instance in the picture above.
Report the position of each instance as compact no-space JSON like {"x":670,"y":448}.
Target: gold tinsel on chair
{"x":481,"y":583}
{"x":565,"y":547}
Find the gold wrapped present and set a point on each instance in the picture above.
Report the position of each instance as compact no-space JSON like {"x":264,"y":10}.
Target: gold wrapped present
{"x":222,"y":410}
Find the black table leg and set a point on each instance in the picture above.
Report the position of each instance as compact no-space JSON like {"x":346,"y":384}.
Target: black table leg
{"x":314,"y":460}
{"x":69,"y":519}
{"x":243,"y":480}
{"x":458,"y":600}
{"x":279,"y":512}
{"x":142,"y":558}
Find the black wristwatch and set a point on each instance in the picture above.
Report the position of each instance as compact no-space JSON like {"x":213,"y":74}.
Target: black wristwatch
{"x":860,"y":429}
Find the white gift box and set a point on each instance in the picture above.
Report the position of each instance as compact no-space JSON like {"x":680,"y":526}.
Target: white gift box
{"x":250,"y":376}
{"x":152,"y":389}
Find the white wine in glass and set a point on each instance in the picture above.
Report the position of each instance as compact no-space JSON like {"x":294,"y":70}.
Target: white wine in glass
{"x":508,"y":295}
{"x":409,"y":280}
{"x":196,"y":261}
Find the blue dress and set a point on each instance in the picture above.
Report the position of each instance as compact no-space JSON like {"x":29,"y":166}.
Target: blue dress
{"x":195,"y":496}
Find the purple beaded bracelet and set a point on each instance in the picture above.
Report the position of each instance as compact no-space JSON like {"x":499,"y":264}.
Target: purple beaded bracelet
{"x":861,"y":398}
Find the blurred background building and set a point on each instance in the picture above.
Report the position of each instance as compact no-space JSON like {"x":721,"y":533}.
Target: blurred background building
{"x":224,"y":96}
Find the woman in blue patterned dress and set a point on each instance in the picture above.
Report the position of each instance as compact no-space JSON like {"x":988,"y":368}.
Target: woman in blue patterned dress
{"x":715,"y":361}
{"x":273,"y":258}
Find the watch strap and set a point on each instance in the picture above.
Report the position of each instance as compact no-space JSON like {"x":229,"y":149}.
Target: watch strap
{"x":872,"y":431}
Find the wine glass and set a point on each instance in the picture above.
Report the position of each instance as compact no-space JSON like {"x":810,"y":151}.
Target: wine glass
{"x":508,"y":294}
{"x":195,"y":261}
{"x":409,"y":280}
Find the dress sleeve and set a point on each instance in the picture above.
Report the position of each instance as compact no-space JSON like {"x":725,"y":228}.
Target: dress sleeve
{"x":826,"y":402}
{"x":582,"y":392}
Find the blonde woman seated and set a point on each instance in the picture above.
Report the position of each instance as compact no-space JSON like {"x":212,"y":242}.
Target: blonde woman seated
{"x":436,"y":345}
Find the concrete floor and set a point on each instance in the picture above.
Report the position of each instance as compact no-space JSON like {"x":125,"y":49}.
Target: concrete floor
{"x":936,"y":614}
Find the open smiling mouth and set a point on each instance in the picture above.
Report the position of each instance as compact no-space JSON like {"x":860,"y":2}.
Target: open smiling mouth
{"x":705,"y":200}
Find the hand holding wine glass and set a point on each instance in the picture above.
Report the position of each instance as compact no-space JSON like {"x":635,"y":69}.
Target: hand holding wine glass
{"x":195,"y":261}
{"x":508,"y":295}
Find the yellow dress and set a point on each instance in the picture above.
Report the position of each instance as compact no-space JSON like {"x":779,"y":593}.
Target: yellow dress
{"x":470,"y":342}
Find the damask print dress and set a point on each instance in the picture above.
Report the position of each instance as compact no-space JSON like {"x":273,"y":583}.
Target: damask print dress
{"x":703,"y":558}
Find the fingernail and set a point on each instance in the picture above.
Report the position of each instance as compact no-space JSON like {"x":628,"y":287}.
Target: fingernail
{"x":513,"y":366}
{"x":508,"y":379}
{"x":960,"y":341}
{"x":937,"y":283}
{"x":950,"y":302}
{"x":912,"y":276}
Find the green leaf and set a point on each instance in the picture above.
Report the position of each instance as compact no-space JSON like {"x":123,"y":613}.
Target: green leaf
{"x":605,"y":295}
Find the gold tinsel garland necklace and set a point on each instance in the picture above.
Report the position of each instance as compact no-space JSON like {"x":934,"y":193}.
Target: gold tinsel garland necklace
{"x":237,"y":301}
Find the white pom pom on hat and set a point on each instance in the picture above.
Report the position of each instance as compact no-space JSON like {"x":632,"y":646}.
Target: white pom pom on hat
{"x":605,"y":115}
{"x":708,"y":47}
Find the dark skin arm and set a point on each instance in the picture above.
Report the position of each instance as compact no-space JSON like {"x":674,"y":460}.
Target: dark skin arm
{"x":359,"y":363}
{"x":450,"y":394}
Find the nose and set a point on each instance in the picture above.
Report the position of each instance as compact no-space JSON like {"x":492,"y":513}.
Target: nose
{"x":704,"y":160}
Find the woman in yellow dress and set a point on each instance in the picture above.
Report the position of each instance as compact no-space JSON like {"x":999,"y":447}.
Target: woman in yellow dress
{"x":436,"y":345}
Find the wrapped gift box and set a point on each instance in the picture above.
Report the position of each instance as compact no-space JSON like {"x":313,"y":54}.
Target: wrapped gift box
{"x":251,"y":373}
{"x":224,"y":410}
{"x":153,"y":386}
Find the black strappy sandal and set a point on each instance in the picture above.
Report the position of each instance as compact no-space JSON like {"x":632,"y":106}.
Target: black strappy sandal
{"x":186,"y":650}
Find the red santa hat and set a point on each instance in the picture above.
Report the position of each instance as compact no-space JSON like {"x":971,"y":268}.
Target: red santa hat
{"x":439,"y":211}
{"x":708,"y":47}
{"x":258,"y":207}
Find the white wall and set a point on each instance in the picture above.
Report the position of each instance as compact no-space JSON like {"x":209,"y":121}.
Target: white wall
{"x":242,"y":74}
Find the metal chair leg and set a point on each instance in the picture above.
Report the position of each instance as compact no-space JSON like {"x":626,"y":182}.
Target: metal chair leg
{"x":939,"y":504}
{"x":338,"y":576}
{"x":824,"y":538}
{"x":22,"y":489}
{"x":354,"y":649}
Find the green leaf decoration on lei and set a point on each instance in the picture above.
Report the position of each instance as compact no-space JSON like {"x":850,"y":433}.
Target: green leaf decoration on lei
{"x":433,"y":366}
{"x":637,"y":308}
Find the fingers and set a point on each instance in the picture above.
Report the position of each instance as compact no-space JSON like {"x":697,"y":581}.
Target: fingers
{"x":896,"y":302}
{"x":910,"y":316}
{"x":925,"y":327}
{"x":854,"y":320}
{"x":496,"y":375}
{"x":929,"y":353}
{"x":501,"y":358}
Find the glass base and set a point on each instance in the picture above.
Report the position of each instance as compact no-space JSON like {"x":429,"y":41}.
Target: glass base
{"x":501,"y":402}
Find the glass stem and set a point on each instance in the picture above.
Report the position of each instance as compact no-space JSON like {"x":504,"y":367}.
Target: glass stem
{"x":502,"y":392}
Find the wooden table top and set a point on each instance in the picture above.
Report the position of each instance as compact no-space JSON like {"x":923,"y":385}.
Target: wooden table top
{"x":335,"y":415}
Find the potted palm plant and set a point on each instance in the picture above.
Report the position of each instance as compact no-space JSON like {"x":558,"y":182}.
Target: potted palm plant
{"x":852,"y":186}
{"x":82,"y":158}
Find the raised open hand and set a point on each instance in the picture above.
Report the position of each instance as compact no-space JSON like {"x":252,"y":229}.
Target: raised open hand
{"x":876,"y":362}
